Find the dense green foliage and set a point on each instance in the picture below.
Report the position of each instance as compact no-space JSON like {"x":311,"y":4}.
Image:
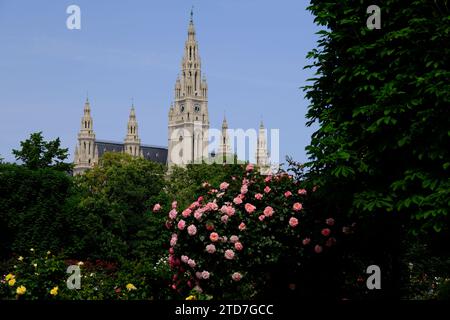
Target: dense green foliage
{"x":381,"y":99}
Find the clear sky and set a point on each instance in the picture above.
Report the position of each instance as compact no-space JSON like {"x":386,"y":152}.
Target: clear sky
{"x":253,"y":54}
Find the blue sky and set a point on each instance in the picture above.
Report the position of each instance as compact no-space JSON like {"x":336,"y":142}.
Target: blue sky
{"x":253,"y":54}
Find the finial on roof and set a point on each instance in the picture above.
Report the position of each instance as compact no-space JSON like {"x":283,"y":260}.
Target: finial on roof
{"x":192,"y":14}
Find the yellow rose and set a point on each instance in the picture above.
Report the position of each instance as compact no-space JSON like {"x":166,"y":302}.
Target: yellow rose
{"x":21,"y":290}
{"x":191,"y":297}
{"x":54,"y":291}
{"x":130,"y":287}
{"x":12,"y":282}
{"x":9,"y":276}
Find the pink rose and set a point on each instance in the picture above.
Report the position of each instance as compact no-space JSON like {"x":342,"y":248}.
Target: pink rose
{"x":205,"y":275}
{"x":249,"y":167}
{"x":191,"y":263}
{"x":212,"y":206}
{"x":249,"y":208}
{"x":325,"y":232}
{"x":306,"y":241}
{"x":242,"y":226}
{"x":229,"y":254}
{"x":156,"y":207}
{"x":224,"y":186}
{"x":293,"y":222}
{"x":209,"y":227}
{"x":268,"y":178}
{"x":267,"y":189}
{"x":210,"y":248}
{"x":197,"y":214}
{"x":238,"y":246}
{"x":236,"y":276}
{"x":258,"y":196}
{"x":194,"y":205}
{"x":214,"y":236}
{"x":186,"y":213}
{"x":181,"y":224}
{"x":302,"y":192}
{"x":171,"y":251}
{"x":224,"y":219}
{"x":230,"y":211}
{"x":244,"y":189}
{"x":174,"y":205}
{"x":173,"y":241}
{"x":261,"y":217}
{"x":297,"y":206}
{"x":237,"y":200}
{"x":192,"y":230}
{"x":287,"y":194}
{"x":173,"y":214}
{"x":198,"y":274}
{"x":329,"y":221}
{"x":318,"y":249}
{"x":268,"y":211}
{"x":185,"y":259}
{"x":234,"y":239}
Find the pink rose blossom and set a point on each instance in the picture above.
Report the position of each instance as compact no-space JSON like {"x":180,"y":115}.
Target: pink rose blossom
{"x":205,"y":275}
{"x":174,"y":205}
{"x":234,"y":239}
{"x":249,"y":208}
{"x":224,"y":218}
{"x":244,"y":189}
{"x":212,"y":206}
{"x":209,"y":227}
{"x":156,"y":207}
{"x":306,"y":241}
{"x":210,"y":248}
{"x":224,"y":186}
{"x":171,"y":251}
{"x":268,"y":178}
{"x":181,"y":224}
{"x":214,"y":236}
{"x":173,"y":241}
{"x":267,"y":189}
{"x":242,"y":226}
{"x":293,"y":222}
{"x":198,"y":214}
{"x":329,"y":221}
{"x":198,"y":274}
{"x":318,"y":249}
{"x":194,"y":205}
{"x":237,"y":200}
{"x":192,"y":230}
{"x":287,"y":194}
{"x":191,"y":263}
{"x":236,"y":276}
{"x":261,"y":217}
{"x":302,"y":192}
{"x":249,"y":167}
{"x":238,"y":246}
{"x":229,"y":254}
{"x":185,"y":259}
{"x":186,"y":213}
{"x":325,"y":232}
{"x":268,"y":211}
{"x":173,"y":214}
{"x":258,"y":196}
{"x":297,"y":206}
{"x":200,"y":199}
{"x":223,"y":239}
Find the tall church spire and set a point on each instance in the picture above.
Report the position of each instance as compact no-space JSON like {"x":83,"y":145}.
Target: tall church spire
{"x":132,"y":143}
{"x":262,"y":158}
{"x":224,"y":153}
{"x":188,"y":115}
{"x":85,"y":151}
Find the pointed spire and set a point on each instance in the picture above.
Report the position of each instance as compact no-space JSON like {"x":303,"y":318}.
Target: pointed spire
{"x":191,"y":29}
{"x":224,"y":122}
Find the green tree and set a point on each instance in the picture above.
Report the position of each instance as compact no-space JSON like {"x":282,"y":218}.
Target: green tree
{"x":381,"y":100}
{"x":116,"y":198}
{"x":35,"y":153}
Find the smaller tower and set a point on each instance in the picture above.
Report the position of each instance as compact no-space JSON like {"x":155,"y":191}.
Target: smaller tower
{"x":262,"y":158}
{"x":86,"y":154}
{"x":132,"y":143}
{"x":224,"y":153}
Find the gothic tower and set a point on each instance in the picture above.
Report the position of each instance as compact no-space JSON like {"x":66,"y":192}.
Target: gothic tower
{"x":132,"y":143}
{"x":86,"y":153}
{"x":224,"y":154}
{"x":188,"y":114}
{"x":262,"y":159}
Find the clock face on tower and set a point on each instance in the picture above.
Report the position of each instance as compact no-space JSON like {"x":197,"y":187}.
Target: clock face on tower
{"x":197,"y":108}
{"x":182,"y":108}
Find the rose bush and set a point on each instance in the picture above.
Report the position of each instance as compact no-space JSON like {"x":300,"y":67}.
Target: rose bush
{"x":231,"y":242}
